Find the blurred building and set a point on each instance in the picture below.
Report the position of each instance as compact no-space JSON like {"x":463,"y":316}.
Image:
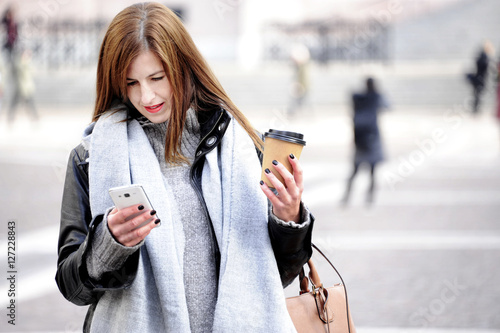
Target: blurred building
{"x":247,"y":32}
{"x":70,"y":31}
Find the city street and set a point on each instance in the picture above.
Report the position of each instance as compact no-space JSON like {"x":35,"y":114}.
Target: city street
{"x":422,"y":258}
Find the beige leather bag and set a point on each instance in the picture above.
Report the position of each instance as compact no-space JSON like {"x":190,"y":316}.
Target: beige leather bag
{"x":322,"y":309}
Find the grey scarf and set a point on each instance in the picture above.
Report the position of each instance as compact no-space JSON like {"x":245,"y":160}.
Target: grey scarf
{"x":250,"y":297}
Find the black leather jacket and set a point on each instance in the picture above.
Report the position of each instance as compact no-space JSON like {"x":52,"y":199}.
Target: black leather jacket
{"x":292,"y":247}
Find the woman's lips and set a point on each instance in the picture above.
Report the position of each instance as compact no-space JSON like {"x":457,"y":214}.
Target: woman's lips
{"x":155,"y":108}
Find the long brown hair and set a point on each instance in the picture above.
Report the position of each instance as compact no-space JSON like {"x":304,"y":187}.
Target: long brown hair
{"x":153,"y":27}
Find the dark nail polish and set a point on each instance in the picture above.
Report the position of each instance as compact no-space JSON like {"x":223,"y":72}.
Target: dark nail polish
{"x":292,"y":156}
{"x":275,"y":162}
{"x":157,"y":221}
{"x":267,"y":171}
{"x":141,"y":207}
{"x":261,"y":182}
{"x":153,"y":212}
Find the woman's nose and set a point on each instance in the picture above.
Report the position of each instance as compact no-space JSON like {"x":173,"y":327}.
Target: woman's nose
{"x":147,"y":95}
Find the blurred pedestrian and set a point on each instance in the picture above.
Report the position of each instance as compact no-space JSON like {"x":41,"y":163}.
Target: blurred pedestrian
{"x":478,"y":79}
{"x":2,"y":78}
{"x":300,"y":57}
{"x":498,"y":90}
{"x":367,"y":140}
{"x":11,"y":76}
{"x":23,"y":87}
{"x":10,"y":27}
{"x":226,"y":245}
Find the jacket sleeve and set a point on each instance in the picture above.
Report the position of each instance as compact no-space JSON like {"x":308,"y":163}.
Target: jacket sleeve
{"x":291,"y":244}
{"x":75,"y":236}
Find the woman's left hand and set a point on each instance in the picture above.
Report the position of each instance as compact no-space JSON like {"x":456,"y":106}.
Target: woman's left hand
{"x":286,"y":205}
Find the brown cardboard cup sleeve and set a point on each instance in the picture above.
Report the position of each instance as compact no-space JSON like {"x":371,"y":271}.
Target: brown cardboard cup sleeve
{"x":278,"y":145}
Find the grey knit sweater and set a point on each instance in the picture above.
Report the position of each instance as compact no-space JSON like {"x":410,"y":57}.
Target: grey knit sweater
{"x":200,"y":277}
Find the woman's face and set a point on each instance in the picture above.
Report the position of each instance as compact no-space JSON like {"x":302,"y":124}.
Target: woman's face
{"x":148,"y":88}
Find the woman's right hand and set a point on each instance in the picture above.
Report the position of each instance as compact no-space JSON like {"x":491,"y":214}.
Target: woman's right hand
{"x":125,"y":231}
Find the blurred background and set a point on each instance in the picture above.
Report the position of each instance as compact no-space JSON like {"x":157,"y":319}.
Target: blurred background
{"x":417,"y":243}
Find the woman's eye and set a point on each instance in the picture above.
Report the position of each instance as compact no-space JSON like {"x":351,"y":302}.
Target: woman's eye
{"x":132,"y":83}
{"x":158,"y":78}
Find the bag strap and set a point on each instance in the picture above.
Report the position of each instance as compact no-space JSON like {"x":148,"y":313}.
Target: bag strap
{"x":315,"y":280}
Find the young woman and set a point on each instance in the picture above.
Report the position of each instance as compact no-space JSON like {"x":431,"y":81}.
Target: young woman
{"x":226,"y":244}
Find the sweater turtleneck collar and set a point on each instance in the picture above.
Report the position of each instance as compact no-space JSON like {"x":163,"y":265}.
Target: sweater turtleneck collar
{"x":156,"y":134}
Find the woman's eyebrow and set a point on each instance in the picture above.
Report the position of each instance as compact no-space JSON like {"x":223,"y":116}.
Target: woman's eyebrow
{"x":155,"y":73}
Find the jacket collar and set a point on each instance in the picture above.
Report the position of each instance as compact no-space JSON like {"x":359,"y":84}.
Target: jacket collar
{"x":213,"y":125}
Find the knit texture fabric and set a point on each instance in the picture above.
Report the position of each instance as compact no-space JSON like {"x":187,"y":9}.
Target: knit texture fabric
{"x":105,"y":254}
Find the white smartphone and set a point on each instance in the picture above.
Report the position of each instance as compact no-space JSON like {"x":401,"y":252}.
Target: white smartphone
{"x":130,"y":195}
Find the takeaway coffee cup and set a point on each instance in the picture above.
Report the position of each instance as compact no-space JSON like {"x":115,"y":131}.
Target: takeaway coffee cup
{"x":277,"y":146}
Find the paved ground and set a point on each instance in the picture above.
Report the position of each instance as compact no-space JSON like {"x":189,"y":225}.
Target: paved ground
{"x":423,"y":258}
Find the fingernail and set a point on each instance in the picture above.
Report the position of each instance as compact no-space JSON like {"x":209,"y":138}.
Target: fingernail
{"x":275,"y":162}
{"x":157,"y":221}
{"x":292,"y":156}
{"x":153,"y":212}
{"x":261,"y":182}
{"x":141,"y":207}
{"x":267,"y":171}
